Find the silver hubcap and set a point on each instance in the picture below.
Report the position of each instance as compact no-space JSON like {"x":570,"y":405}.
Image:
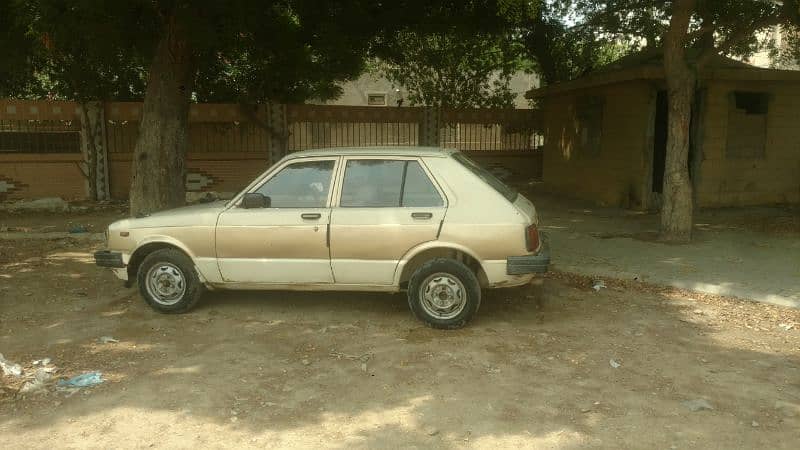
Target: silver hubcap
{"x":442,"y":296}
{"x":165,"y":283}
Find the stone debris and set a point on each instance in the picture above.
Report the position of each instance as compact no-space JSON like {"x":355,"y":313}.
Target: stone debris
{"x":10,"y":368}
{"x":699,"y":404}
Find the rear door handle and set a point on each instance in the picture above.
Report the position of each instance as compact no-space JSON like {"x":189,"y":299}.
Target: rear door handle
{"x":421,"y":215}
{"x":310,"y":216}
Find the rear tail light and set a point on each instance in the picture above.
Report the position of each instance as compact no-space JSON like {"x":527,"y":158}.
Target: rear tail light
{"x":532,"y":238}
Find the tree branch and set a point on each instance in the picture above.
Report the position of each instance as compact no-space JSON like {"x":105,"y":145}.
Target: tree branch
{"x":739,"y":36}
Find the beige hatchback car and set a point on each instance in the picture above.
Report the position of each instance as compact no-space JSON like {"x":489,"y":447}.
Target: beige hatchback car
{"x":424,"y":220}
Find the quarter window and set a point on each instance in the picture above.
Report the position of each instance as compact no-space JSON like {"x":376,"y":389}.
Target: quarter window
{"x":375,"y":183}
{"x":418,"y":190}
{"x":300,"y":185}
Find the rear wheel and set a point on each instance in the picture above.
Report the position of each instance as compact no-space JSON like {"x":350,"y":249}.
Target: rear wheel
{"x":444,"y":293}
{"x":168,"y":281}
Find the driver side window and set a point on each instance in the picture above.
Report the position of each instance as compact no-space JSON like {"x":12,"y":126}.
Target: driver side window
{"x":300,"y":185}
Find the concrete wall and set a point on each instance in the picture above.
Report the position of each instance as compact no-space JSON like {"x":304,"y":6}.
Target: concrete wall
{"x":773,"y":178}
{"x":616,"y":173}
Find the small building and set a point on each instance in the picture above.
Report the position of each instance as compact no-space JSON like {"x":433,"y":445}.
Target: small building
{"x":373,"y":89}
{"x":605,"y":134}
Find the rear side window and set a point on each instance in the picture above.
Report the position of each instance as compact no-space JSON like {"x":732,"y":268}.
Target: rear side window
{"x":507,"y":192}
{"x":375,"y":183}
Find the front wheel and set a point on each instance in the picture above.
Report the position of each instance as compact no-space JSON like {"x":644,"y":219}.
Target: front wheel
{"x":444,"y":293}
{"x":168,"y":282}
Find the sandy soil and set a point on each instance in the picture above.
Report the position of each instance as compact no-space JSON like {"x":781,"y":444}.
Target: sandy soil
{"x":356,"y":370}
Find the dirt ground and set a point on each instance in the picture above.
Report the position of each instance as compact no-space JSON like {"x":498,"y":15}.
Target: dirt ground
{"x":534,"y":370}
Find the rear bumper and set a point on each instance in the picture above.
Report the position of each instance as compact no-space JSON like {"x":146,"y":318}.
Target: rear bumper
{"x":538,"y":263}
{"x":106,"y":258}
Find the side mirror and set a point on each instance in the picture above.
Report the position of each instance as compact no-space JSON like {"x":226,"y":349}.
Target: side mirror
{"x":255,"y":200}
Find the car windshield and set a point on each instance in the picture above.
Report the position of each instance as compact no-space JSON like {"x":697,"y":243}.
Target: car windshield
{"x":507,"y":192}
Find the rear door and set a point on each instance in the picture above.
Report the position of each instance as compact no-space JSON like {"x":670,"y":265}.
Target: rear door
{"x":386,"y":206}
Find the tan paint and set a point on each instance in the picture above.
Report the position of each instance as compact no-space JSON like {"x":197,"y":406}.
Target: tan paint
{"x":380,"y":233}
{"x":273,"y":241}
{"x":275,"y":248}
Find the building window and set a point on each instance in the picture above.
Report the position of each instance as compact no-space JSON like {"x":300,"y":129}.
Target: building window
{"x":589,"y":125}
{"x":376,"y":99}
{"x":747,"y":125}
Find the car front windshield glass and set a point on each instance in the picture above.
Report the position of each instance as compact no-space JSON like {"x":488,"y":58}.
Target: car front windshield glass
{"x":509,"y":193}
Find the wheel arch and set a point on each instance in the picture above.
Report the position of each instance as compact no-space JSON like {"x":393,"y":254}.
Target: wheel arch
{"x":417,"y":256}
{"x":149,"y":246}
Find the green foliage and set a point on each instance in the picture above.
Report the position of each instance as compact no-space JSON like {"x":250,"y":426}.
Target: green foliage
{"x":243,"y":50}
{"x":454,"y":69}
{"x":17,"y":44}
{"x":786,"y":54}
{"x":558,"y":49}
{"x":727,"y":27}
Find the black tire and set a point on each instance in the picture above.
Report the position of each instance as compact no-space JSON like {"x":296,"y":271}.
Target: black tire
{"x":427,"y":274}
{"x":171,"y":259}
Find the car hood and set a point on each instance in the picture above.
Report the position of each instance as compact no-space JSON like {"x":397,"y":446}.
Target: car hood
{"x":204,"y":214}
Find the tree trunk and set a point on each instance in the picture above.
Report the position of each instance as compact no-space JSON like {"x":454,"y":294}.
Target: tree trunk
{"x":676,"y":211}
{"x":159,"y":160}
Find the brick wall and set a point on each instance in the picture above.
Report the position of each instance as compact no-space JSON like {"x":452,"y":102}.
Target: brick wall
{"x":41,"y":175}
{"x":772,"y":178}
{"x":53,"y":170}
{"x":614,"y":174}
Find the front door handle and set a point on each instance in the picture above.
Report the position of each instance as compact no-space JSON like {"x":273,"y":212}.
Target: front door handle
{"x":310,"y":216}
{"x":421,"y":215}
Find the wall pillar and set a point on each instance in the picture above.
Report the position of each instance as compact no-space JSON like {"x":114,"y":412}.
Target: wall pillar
{"x":95,"y":153}
{"x":429,"y":127}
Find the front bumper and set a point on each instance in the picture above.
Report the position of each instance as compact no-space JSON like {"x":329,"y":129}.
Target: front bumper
{"x":538,"y":263}
{"x":107,"y":258}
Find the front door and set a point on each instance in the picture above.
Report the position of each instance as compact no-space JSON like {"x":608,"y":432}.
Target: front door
{"x":286,"y":243}
{"x":386,"y":207}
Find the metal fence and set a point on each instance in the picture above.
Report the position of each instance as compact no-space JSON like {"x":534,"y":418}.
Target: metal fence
{"x":490,"y":130}
{"x":320,"y":126}
{"x":229,"y":144}
{"x":224,"y":128}
{"x":204,"y":137}
{"x":40,"y":136}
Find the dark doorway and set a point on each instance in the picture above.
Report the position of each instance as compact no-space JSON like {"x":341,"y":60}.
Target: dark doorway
{"x":660,"y":141}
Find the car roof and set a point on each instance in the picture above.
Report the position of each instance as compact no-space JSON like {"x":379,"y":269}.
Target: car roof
{"x":389,"y":150}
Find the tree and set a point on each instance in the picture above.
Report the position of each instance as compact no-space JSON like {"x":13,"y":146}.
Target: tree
{"x":563,"y":52}
{"x":16,"y":64}
{"x":181,"y":50}
{"x":454,"y":69}
{"x":691,"y":33}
